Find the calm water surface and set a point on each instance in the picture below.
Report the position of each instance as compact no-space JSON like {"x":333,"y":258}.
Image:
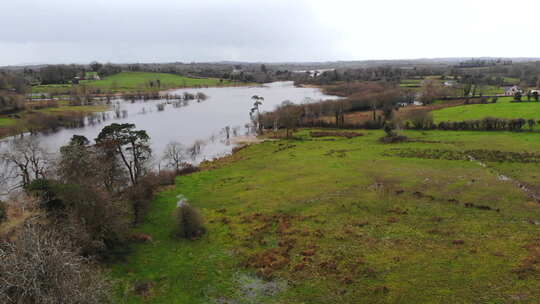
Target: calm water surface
{"x":197,"y":121}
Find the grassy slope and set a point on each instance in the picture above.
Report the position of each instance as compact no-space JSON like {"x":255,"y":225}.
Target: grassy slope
{"x":388,"y":248}
{"x":502,"y":109}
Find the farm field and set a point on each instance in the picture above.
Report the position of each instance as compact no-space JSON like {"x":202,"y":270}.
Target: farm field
{"x":126,"y":81}
{"x":139,"y":81}
{"x":338,"y":220}
{"x":504,"y":108}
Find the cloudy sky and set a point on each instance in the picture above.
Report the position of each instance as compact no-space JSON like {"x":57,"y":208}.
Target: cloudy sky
{"x":80,"y":31}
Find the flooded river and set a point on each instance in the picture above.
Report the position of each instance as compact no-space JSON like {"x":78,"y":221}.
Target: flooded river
{"x":202,"y":121}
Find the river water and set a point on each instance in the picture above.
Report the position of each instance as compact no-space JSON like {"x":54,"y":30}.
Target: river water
{"x":187,"y":123}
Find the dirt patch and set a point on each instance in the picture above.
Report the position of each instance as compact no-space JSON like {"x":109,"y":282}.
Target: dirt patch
{"x":393,"y":139}
{"x":480,"y":155}
{"x":335,"y":134}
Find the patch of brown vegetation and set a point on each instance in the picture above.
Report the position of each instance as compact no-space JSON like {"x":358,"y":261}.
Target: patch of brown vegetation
{"x":142,"y":238}
{"x":144,"y":288}
{"x":531,"y":264}
{"x":392,"y":220}
{"x":269,"y":261}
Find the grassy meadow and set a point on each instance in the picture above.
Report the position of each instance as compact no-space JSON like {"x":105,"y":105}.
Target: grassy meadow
{"x":138,"y":81}
{"x":504,"y":108}
{"x":337,"y":220}
{"x":127,"y":81}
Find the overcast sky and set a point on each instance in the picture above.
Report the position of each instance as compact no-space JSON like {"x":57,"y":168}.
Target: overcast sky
{"x":80,"y":31}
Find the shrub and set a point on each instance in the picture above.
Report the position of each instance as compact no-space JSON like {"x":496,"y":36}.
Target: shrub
{"x":92,"y":219}
{"x":3,"y":212}
{"x":391,"y":136}
{"x":188,"y":169}
{"x":420,"y":119}
{"x":42,"y":267}
{"x":163,"y":178}
{"x":189,"y":222}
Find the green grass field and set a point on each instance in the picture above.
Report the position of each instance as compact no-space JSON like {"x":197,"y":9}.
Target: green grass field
{"x":511,"y":81}
{"x":335,"y":220}
{"x":504,"y":108}
{"x":490,"y":90}
{"x":7,"y":122}
{"x":138,"y":81}
{"x":128,"y":81}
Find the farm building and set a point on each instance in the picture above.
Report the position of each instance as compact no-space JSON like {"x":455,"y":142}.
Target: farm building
{"x":511,"y":91}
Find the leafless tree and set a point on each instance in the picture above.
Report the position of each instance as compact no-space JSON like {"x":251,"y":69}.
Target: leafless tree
{"x":175,"y":155}
{"x":25,"y":160}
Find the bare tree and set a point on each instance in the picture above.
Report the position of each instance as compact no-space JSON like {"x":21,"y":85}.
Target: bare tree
{"x":195,"y":150}
{"x":289,"y":115}
{"x":25,"y":160}
{"x":175,"y":155}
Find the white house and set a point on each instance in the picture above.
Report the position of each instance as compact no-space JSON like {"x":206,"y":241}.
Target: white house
{"x":511,"y":91}
{"x":450,"y":83}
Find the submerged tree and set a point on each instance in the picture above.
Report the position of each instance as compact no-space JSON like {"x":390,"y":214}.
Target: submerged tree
{"x":175,"y":155}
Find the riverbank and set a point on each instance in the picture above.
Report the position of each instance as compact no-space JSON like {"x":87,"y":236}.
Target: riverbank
{"x":337,"y":219}
{"x":23,"y":121}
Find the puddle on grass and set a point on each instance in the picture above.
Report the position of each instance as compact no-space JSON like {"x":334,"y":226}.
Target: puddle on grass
{"x":254,"y":290}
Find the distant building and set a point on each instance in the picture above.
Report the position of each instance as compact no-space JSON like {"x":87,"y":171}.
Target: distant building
{"x":450,"y":83}
{"x":511,"y":91}
{"x":91,"y":76}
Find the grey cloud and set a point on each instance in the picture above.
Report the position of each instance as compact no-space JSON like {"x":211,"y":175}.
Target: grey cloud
{"x":164,"y":30}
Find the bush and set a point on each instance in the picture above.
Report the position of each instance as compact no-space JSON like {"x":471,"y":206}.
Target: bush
{"x":163,"y":178}
{"x":92,"y":219}
{"x":3,"y":212}
{"x":189,"y":222}
{"x":188,"y":169}
{"x":42,"y":267}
